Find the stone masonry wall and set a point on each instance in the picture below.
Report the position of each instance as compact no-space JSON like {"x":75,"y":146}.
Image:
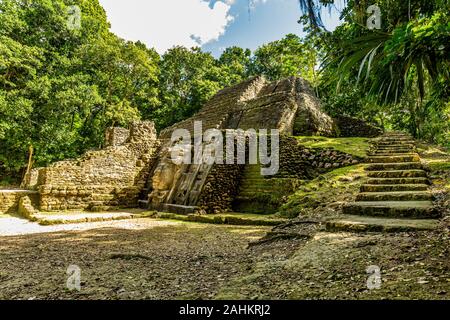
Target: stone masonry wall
{"x":352,"y":127}
{"x":310,"y":120}
{"x":102,"y":179}
{"x":9,"y":199}
{"x":253,"y":104}
{"x":220,"y":189}
{"x":297,"y":161}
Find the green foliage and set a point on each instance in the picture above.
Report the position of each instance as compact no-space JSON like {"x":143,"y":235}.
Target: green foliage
{"x":397,"y":76}
{"x":189,"y":77}
{"x":290,"y":56}
{"x":237,"y":63}
{"x":60,"y":88}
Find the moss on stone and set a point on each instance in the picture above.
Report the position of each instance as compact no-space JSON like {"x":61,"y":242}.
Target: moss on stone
{"x":324,"y":190}
{"x":354,"y":146}
{"x":225,"y":218}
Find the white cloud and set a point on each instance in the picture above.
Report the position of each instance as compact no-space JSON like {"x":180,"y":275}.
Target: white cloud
{"x":254,"y":3}
{"x":164,"y":23}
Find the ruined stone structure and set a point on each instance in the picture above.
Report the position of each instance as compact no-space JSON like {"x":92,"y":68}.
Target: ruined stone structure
{"x":9,"y":199}
{"x":135,"y":167}
{"x":288,"y":105}
{"x":352,"y":127}
{"x":101,"y":179}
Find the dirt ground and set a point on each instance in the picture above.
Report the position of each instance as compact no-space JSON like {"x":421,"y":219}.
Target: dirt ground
{"x":325,"y":265}
{"x":130,"y":259}
{"x":155,"y":259}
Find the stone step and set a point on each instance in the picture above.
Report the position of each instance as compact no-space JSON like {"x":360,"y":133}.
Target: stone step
{"x":143,"y":204}
{"x":392,"y":159}
{"x":394,"y":166}
{"x":397,"y":174}
{"x":82,"y":217}
{"x":390,"y":153}
{"x":393,"y":148}
{"x":393,"y":187}
{"x":398,"y":181}
{"x":252,"y":192}
{"x":398,"y":149}
{"x":177,"y":208}
{"x":399,"y":145}
{"x":398,"y":135}
{"x":350,"y":223}
{"x":397,"y":209}
{"x":395,"y":139}
{"x":395,"y":196}
{"x":384,"y":153}
{"x":394,"y":142}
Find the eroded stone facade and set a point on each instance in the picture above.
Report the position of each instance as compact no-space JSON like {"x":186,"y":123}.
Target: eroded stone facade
{"x":288,"y":105}
{"x":102,"y":179}
{"x":135,"y":167}
{"x":9,"y":199}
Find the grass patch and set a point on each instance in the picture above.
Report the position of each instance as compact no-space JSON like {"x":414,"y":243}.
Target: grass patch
{"x":439,"y":165}
{"x":333,"y":186}
{"x":440,"y":172}
{"x":354,"y":146}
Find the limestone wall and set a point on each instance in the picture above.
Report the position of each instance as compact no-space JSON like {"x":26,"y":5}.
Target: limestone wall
{"x":263,"y":195}
{"x":310,"y":120}
{"x":352,"y":127}
{"x":253,"y":104}
{"x":9,"y":199}
{"x":101,"y":179}
{"x":116,"y":136}
{"x":273,"y":111}
{"x":218,"y":110}
{"x":297,"y":161}
{"x":220,"y":189}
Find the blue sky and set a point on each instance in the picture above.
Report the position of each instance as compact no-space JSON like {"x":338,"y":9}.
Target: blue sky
{"x":266,"y":21}
{"x":212,"y":24}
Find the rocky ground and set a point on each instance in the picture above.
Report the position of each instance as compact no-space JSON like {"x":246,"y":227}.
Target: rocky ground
{"x":154,"y":259}
{"x":323,"y":265}
{"x":130,"y":259}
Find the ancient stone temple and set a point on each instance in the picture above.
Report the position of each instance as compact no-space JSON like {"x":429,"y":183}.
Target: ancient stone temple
{"x":136,"y":169}
{"x":288,"y":105}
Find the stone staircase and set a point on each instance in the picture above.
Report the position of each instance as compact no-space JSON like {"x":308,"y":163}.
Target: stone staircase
{"x":253,"y":187}
{"x":257,"y":193}
{"x":396,"y":196}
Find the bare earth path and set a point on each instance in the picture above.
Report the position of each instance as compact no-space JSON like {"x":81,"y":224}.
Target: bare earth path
{"x":129,"y":259}
{"x":155,"y":259}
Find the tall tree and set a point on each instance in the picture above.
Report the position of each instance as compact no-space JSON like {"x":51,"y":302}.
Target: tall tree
{"x":401,"y":66}
{"x":189,"y":77}
{"x":290,"y":56}
{"x":61,"y":86}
